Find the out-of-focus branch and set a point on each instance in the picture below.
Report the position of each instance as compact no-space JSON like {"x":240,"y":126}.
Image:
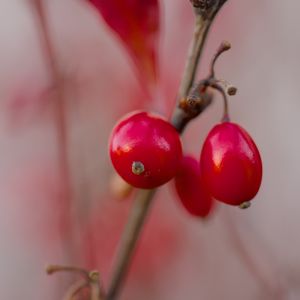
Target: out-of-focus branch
{"x":204,"y":18}
{"x":60,"y":121}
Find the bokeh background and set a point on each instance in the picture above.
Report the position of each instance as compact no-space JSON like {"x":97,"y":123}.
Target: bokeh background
{"x":252,"y":254}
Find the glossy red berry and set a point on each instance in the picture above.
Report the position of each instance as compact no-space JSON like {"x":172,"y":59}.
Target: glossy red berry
{"x":191,"y":189}
{"x":231,"y":165}
{"x":145,"y":150}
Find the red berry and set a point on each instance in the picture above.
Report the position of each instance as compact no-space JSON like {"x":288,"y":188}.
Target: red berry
{"x":145,"y":150}
{"x":231,"y":165}
{"x":191,"y":189}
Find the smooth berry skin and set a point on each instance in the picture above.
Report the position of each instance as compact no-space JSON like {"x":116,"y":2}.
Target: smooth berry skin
{"x":147,"y":140}
{"x":191,"y":189}
{"x":231,"y":165}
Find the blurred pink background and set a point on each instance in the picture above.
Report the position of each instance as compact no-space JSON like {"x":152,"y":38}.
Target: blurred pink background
{"x":252,"y":254}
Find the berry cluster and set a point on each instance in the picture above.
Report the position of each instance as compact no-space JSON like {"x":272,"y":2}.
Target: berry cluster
{"x":146,"y":152}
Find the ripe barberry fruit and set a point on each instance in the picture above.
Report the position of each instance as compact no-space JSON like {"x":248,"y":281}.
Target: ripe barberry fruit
{"x":145,"y":150}
{"x":231,"y":165}
{"x":191,"y":189}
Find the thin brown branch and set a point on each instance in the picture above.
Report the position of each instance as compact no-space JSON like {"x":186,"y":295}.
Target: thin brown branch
{"x":128,"y":242}
{"x":180,"y":118}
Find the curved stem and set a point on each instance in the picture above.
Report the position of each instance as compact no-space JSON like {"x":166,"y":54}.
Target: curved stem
{"x":225,"y":46}
{"x":217,"y":87}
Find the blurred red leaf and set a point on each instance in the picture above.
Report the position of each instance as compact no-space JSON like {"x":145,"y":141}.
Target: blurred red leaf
{"x":136,"y":22}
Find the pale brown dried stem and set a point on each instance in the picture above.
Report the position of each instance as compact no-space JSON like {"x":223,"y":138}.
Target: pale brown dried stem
{"x":90,"y":279}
